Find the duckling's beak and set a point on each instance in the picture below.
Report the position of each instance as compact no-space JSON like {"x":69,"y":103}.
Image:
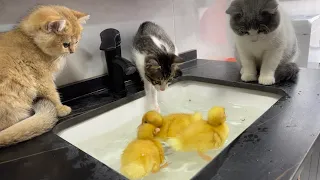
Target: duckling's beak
{"x":156,"y":131}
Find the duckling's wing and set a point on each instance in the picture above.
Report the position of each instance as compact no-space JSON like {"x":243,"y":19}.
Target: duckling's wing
{"x":197,"y":136}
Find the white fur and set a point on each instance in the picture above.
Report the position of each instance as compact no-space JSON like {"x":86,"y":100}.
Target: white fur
{"x":159,"y":43}
{"x":176,"y":51}
{"x":265,"y":51}
{"x":151,"y":91}
{"x":61,"y":63}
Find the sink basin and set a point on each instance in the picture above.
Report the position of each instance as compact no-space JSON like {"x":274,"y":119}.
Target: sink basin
{"x":105,"y":136}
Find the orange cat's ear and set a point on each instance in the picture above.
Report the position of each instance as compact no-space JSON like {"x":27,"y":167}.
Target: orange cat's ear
{"x":55,"y":26}
{"x":82,"y":17}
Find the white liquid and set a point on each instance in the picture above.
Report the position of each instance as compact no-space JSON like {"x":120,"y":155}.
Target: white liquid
{"x":243,"y":107}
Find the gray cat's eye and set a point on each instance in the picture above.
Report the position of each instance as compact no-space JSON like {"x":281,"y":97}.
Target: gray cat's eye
{"x":244,"y":32}
{"x":237,"y":16}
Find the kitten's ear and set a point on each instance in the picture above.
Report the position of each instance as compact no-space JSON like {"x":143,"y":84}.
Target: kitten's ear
{"x":152,"y":65}
{"x":177,"y":60}
{"x":55,"y":26}
{"x":82,"y":17}
{"x":271,"y":7}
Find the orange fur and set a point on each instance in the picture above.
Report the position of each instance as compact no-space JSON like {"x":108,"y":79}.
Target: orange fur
{"x":29,"y":57}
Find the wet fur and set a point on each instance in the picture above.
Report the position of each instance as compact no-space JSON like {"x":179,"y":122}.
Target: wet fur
{"x":265,"y":41}
{"x":156,"y":58}
{"x":30,"y":55}
{"x":143,"y":155}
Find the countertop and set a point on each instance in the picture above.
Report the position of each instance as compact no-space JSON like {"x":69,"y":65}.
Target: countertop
{"x":273,"y":147}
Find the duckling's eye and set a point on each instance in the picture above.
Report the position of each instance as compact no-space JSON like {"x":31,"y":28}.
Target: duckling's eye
{"x":66,"y":45}
{"x":145,"y":121}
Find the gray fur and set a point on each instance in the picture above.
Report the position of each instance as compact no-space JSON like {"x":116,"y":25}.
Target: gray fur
{"x":290,"y":52}
{"x":264,"y":17}
{"x":160,"y":63}
{"x":287,"y":72}
{"x":261,"y":15}
{"x":144,"y":43}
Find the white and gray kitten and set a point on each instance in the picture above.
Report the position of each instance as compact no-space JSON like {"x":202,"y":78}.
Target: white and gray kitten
{"x":265,"y":41}
{"x":156,"y":58}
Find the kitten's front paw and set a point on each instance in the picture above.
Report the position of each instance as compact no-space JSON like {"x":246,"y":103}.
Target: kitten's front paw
{"x":63,"y":110}
{"x":248,"y":77}
{"x":157,"y":108}
{"x":266,"y":80}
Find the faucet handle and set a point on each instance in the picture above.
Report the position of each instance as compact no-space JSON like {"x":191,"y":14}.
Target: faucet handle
{"x":127,"y":66}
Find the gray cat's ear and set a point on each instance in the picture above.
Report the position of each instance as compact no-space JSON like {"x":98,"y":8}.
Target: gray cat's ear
{"x":230,"y":10}
{"x":56,"y":26}
{"x":234,"y":9}
{"x":152,"y":64}
{"x":271,"y":7}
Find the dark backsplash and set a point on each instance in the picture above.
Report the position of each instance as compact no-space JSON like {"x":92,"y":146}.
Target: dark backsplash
{"x":82,"y":88}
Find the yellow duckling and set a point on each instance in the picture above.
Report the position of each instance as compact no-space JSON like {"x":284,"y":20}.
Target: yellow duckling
{"x":202,"y":136}
{"x":143,"y":155}
{"x":170,"y":125}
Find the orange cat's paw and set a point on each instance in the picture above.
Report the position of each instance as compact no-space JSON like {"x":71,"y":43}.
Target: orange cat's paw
{"x":63,"y":110}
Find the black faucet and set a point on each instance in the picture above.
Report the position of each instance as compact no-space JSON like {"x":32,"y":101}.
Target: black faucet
{"x":119,"y":68}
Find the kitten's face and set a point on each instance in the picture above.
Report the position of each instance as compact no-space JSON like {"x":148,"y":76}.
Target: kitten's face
{"x":60,"y":29}
{"x":254,"y":18}
{"x":161,"y":70}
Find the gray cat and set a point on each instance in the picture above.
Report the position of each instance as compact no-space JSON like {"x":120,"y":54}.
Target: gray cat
{"x":156,"y":58}
{"x":265,"y":41}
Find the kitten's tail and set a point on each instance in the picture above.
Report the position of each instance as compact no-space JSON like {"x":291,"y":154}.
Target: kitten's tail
{"x":43,"y":120}
{"x":287,"y":72}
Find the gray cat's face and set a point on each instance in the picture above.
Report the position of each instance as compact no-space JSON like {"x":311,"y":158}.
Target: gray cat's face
{"x":254,"y":18}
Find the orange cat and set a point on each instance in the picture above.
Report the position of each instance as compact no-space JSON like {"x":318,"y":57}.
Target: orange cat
{"x":29,"y":58}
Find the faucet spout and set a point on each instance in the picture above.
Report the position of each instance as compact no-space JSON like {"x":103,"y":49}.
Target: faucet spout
{"x":119,"y":68}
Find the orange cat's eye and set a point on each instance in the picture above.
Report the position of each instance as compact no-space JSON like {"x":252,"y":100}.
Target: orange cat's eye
{"x":66,"y":45}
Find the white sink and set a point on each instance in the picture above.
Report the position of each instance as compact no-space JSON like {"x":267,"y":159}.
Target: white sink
{"x":105,"y":136}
